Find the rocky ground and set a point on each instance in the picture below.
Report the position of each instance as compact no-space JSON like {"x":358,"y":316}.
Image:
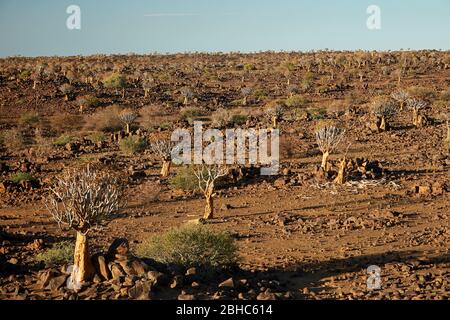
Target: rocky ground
{"x":299,"y":235}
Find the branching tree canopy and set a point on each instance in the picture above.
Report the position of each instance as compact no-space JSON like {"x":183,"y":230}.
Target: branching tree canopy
{"x":81,"y":200}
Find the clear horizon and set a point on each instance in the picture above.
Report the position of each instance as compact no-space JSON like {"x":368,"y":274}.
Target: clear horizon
{"x":38,"y":28}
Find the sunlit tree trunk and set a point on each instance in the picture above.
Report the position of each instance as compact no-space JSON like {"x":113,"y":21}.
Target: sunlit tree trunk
{"x":341,"y":177}
{"x":83,"y":269}
{"x":325,"y":160}
{"x":165,"y":170}
{"x":209,"y":207}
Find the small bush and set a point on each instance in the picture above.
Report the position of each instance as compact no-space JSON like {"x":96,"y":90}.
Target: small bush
{"x":25,"y":75}
{"x":96,"y":137}
{"x":185,"y":179}
{"x":114,"y":81}
{"x":133,"y":144}
{"x":191,"y":114}
{"x":62,"y":140}
{"x":441,"y":105}
{"x":13,"y":140}
{"x":106,"y":120}
{"x":191,"y":246}
{"x":422,"y":93}
{"x":29,"y":118}
{"x":88,"y":101}
{"x":222,"y":118}
{"x":296,"y":101}
{"x":22,"y":176}
{"x":60,"y":253}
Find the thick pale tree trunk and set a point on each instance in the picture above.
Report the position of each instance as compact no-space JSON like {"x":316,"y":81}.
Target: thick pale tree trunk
{"x":165,"y":170}
{"x":341,"y":177}
{"x":274,"y":122}
{"x":34,"y":85}
{"x":209,"y":207}
{"x":383,"y":125}
{"x":415,"y":118}
{"x":83,"y":269}
{"x":123,"y":93}
{"x":145,"y":93}
{"x":186,"y":100}
{"x":128,"y":128}
{"x":325,"y":161}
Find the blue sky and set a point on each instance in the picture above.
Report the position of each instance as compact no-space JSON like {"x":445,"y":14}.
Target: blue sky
{"x":38,"y":27}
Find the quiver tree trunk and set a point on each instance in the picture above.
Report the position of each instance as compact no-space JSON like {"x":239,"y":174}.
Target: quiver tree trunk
{"x":83,"y":269}
{"x":123,"y":93}
{"x":383,"y":124}
{"x":415,"y":118}
{"x":145,"y":93}
{"x":244,"y":101}
{"x":209,"y":207}
{"x":325,"y":161}
{"x":165,"y":170}
{"x":127,"y":128}
{"x":185,"y":101}
{"x":34,"y":85}
{"x":275,"y":121}
{"x":342,"y":173}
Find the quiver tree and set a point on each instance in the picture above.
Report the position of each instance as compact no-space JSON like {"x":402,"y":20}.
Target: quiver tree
{"x":37,"y":75}
{"x":416,"y":106}
{"x":80,"y":200}
{"x":383,"y":111}
{"x":341,"y":177}
{"x":127,"y":116}
{"x":245,"y":92}
{"x":187,"y":94}
{"x":163,"y":149}
{"x":147,"y":85}
{"x":328,"y":139}
{"x":207,"y":176}
{"x":116,"y":81}
{"x":401,"y":97}
{"x":274,"y":112}
{"x":66,"y":89}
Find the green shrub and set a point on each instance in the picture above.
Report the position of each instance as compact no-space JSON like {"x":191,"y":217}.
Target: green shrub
{"x":58,"y":254}
{"x":238,"y":119}
{"x":317,"y":114}
{"x":88,"y":101}
{"x":191,"y":114}
{"x":96,"y":137}
{"x":191,"y":246}
{"x":185,"y":179}
{"x":62,"y":140}
{"x":114,"y":81}
{"x":296,"y":101}
{"x":133,"y":144}
{"x":18,"y":177}
{"x":25,"y":74}
{"x":29,"y":118}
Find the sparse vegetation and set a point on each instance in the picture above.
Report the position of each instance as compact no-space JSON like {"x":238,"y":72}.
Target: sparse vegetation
{"x":59,"y":253}
{"x":133,"y":144}
{"x":191,"y":246}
